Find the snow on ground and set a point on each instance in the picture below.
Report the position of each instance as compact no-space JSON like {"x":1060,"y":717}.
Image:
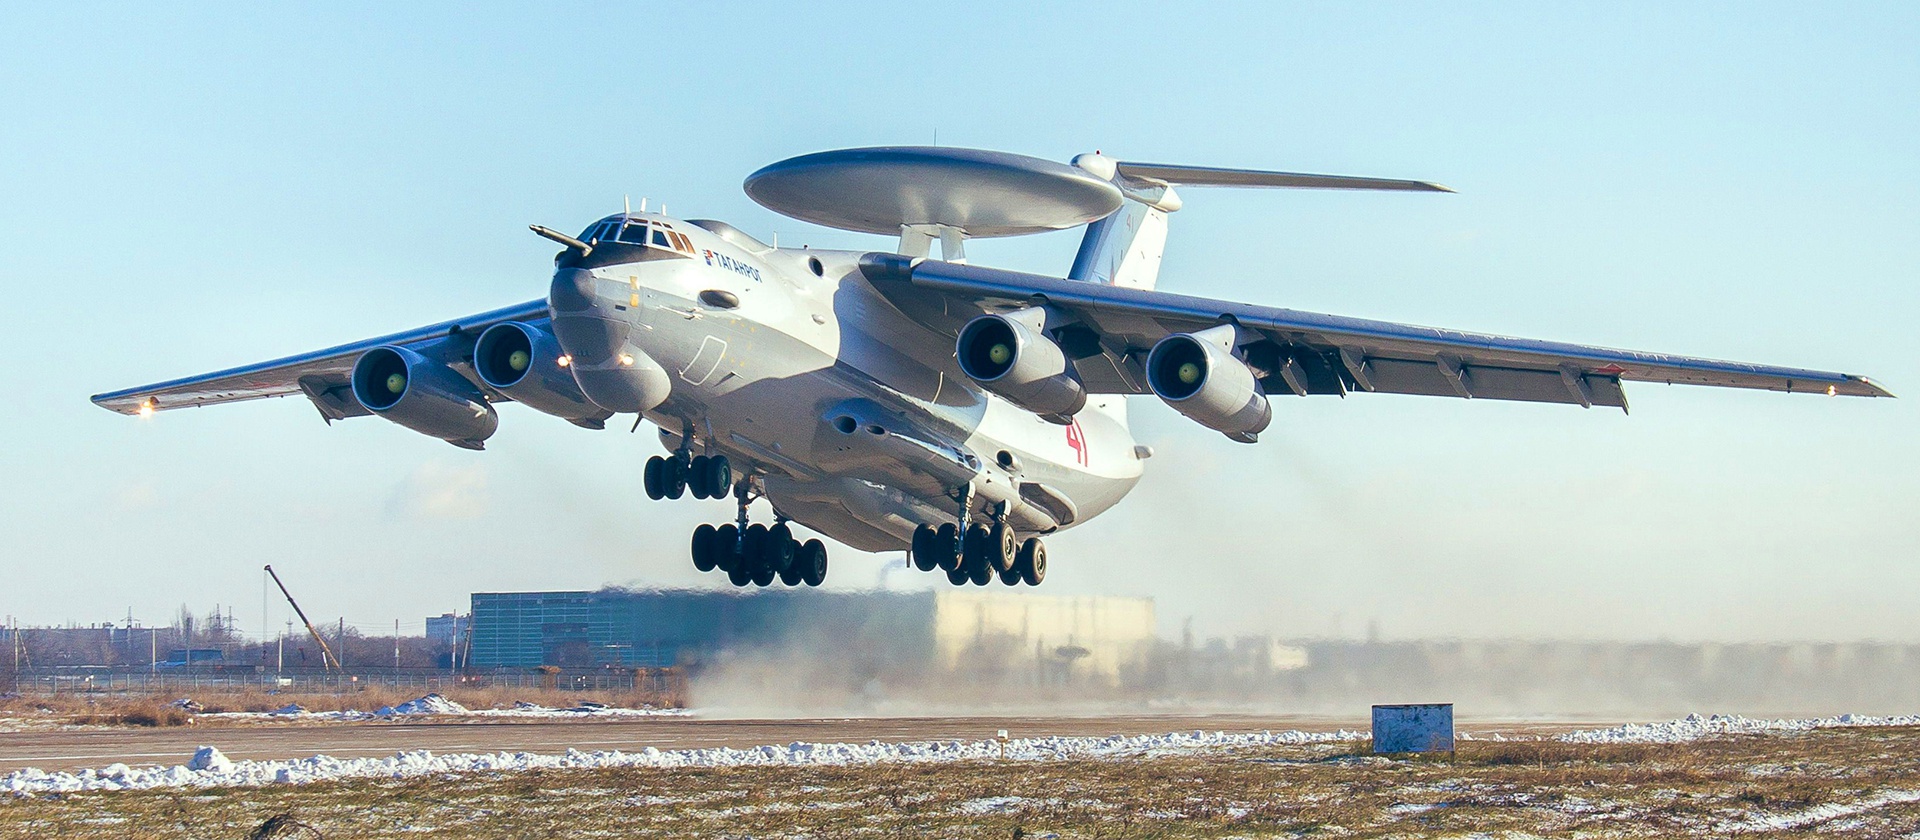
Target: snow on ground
{"x":1695,"y":727}
{"x":209,"y":768}
{"x":436,"y":705}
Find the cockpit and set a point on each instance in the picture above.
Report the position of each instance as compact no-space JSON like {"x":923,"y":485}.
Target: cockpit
{"x":630,"y":230}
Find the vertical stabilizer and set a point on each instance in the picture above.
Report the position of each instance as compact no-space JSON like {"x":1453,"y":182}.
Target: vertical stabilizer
{"x":1124,"y":249}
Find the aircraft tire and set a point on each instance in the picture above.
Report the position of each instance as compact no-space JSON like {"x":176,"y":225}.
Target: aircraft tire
{"x":726,"y":547}
{"x":956,"y":577}
{"x":1002,"y":547}
{"x":651,"y":478}
{"x":764,"y":577}
{"x":673,"y":478}
{"x":814,"y":567}
{"x":697,"y":477}
{"x":738,"y":576}
{"x":981,"y":575}
{"x":703,"y":552}
{"x":925,"y":558}
{"x":753,"y":549}
{"x":1009,"y":577}
{"x":974,"y":548}
{"x":781,"y":548}
{"x":719,"y":476}
{"x":946,"y":547}
{"x":1033,"y":561}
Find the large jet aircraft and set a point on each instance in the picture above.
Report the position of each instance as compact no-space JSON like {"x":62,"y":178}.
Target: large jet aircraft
{"x":894,"y":401}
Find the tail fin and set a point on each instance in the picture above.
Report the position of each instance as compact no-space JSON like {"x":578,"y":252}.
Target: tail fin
{"x":1124,"y":249}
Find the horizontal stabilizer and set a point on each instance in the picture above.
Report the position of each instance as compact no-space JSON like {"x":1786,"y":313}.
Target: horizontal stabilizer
{"x":1208,"y":176}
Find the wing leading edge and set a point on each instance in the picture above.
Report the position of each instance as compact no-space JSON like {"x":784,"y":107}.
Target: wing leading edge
{"x":320,"y":375}
{"x":1310,"y":353}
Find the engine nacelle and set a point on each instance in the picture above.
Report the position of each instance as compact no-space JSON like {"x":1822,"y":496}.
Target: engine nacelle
{"x":1199,"y":376}
{"x":423,"y":395}
{"x":1012,"y":359}
{"x":525,"y":362}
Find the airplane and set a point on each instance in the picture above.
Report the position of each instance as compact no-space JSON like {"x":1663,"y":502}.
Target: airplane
{"x":890,"y":400}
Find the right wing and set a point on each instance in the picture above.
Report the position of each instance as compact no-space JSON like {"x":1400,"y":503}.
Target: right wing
{"x":1310,"y":353}
{"x":321,"y":375}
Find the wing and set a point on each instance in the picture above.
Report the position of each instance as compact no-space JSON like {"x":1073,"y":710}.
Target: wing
{"x":320,"y":375}
{"x":1308,"y":353}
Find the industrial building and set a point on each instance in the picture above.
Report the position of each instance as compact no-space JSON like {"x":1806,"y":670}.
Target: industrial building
{"x":1016,"y":635}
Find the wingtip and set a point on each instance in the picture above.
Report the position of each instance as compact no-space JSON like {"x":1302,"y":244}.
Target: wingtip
{"x":1439,"y":187}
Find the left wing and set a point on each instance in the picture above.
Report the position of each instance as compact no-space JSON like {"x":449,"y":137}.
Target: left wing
{"x":1308,"y":353}
{"x":321,"y":375}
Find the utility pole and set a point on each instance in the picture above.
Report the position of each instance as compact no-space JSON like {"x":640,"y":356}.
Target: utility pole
{"x":153,"y":651}
{"x":280,"y":650}
{"x":396,"y":651}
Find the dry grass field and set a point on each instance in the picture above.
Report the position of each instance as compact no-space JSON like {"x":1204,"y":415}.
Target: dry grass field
{"x":1857,"y":782}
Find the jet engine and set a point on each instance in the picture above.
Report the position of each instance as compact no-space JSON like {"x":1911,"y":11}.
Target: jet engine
{"x":423,"y":395}
{"x":1010,"y":358}
{"x":1198,"y":374}
{"x":525,"y":362}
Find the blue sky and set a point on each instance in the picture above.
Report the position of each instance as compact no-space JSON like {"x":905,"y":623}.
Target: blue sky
{"x":191,"y":190}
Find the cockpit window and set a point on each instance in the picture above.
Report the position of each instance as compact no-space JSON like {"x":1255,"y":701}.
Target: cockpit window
{"x":634,"y":233}
{"x":599,"y":231}
{"x":660,"y":238}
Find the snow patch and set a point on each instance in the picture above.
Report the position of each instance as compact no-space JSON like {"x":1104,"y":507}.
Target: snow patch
{"x":211,"y":772}
{"x":1694,"y":727}
{"x":431,"y":704}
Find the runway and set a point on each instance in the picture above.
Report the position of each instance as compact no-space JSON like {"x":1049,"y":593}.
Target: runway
{"x":80,"y":749}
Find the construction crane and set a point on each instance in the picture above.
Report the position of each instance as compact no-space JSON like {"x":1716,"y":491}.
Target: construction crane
{"x":327,"y":660}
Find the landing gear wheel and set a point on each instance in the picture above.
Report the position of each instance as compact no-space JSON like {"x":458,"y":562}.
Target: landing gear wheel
{"x":738,"y":576}
{"x":697,"y":477}
{"x":703,"y":548}
{"x":923,"y":554}
{"x":726,"y":548}
{"x":974,"y":549}
{"x":1032,"y":565}
{"x":946,"y":547}
{"x":753,"y":549}
{"x":673,"y":478}
{"x":956,"y":577}
{"x":653,"y":480}
{"x":793,"y":575}
{"x":1008,"y":577}
{"x":764,"y":577}
{"x":719,"y":476}
{"x":780,"y":548}
{"x":981,"y":575}
{"x":1001,"y":547}
{"x":813,"y":563}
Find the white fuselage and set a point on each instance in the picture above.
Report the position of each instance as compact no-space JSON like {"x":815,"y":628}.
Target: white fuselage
{"x":858,"y":416}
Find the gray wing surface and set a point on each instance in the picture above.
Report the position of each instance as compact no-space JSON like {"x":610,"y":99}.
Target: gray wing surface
{"x":1309,"y":353}
{"x":320,"y":375}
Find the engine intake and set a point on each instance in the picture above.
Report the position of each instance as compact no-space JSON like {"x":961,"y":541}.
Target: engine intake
{"x":525,"y":362}
{"x":423,"y":395}
{"x":1198,"y":375}
{"x":1014,"y":360}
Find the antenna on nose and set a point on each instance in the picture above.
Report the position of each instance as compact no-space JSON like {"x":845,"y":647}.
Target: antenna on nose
{"x":626,"y":205}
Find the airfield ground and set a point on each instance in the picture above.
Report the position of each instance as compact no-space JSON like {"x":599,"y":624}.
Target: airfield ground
{"x":1857,"y":781}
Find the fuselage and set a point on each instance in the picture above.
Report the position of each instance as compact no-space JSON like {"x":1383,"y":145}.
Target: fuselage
{"x":789,"y":360}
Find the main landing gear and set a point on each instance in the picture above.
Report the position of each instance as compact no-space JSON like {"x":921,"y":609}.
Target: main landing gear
{"x":979,"y":552}
{"x":756,"y":554}
{"x":708,"y":476}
